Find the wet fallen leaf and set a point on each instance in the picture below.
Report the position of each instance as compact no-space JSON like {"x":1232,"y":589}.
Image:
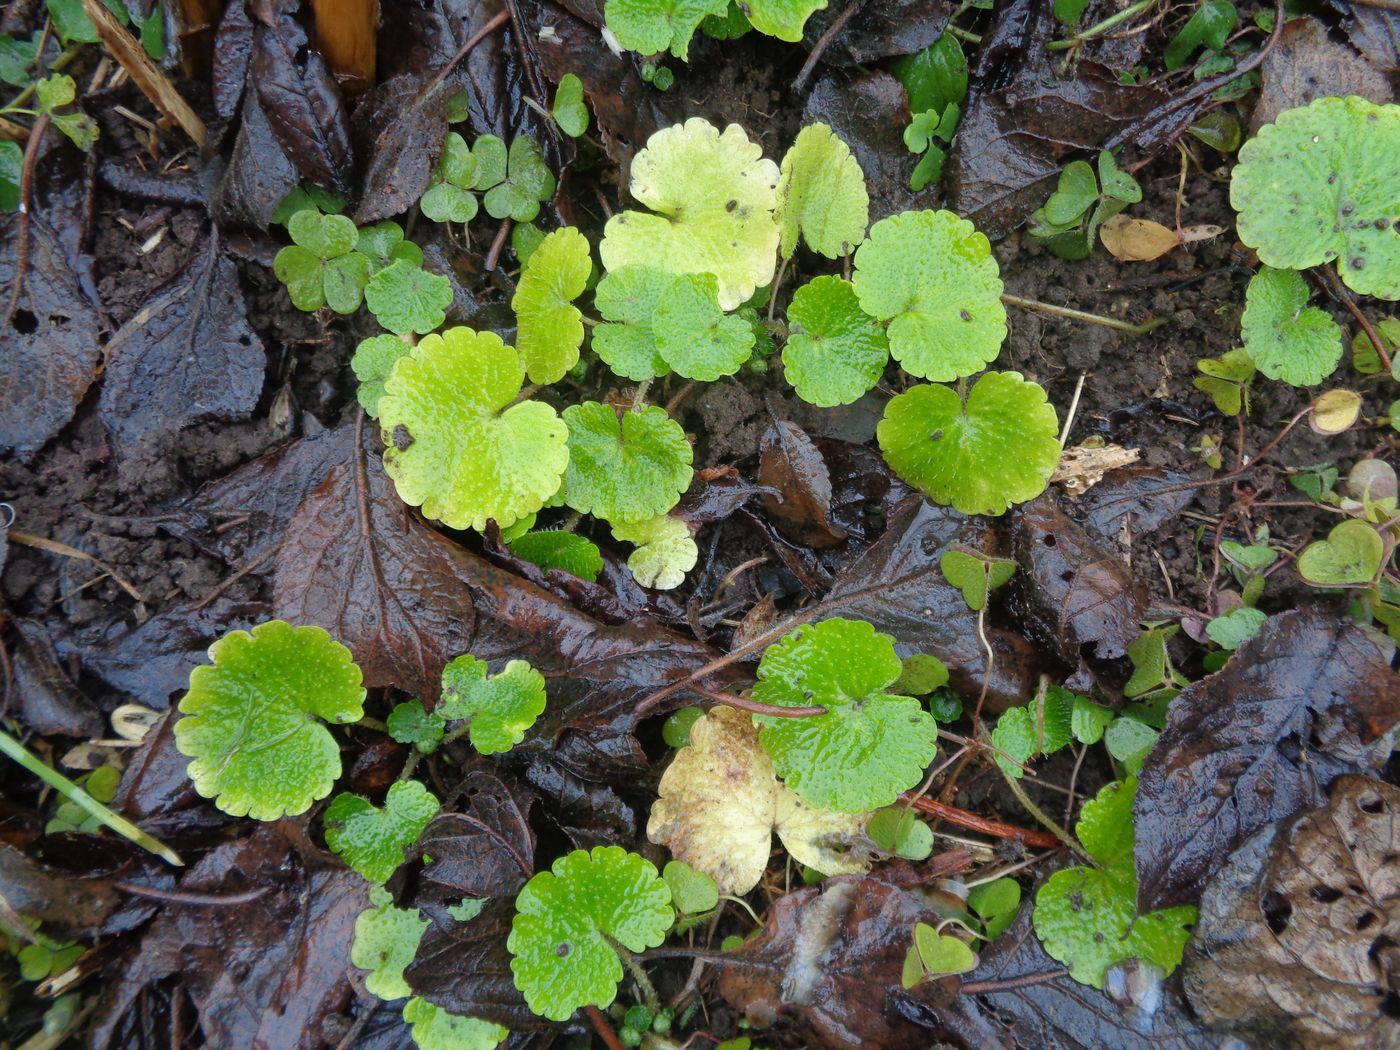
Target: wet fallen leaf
{"x":1373,"y":31}
{"x":1136,"y":240}
{"x":49,"y":701}
{"x":66,"y":906}
{"x":1083,"y":466}
{"x":1307,"y":699}
{"x":869,"y":114}
{"x":1307,"y":64}
{"x":879,"y":29}
{"x":258,"y":176}
{"x":789,"y":463}
{"x":1139,"y":498}
{"x":400,"y":127}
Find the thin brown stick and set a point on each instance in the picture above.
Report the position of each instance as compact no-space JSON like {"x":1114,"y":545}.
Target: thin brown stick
{"x":603,"y":1028}
{"x":823,"y":42}
{"x":26,"y":539}
{"x":466,"y":49}
{"x":498,"y":245}
{"x":986,"y":826}
{"x":216,"y":900}
{"x":1341,"y":294}
{"x":1011,"y":983}
{"x":743,"y":703}
{"x":26,"y":185}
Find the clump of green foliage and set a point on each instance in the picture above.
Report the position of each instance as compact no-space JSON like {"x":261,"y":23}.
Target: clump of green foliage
{"x":1070,"y":220}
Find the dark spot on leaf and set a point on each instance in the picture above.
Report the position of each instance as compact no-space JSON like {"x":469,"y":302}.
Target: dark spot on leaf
{"x":1277,"y":911}
{"x":965,"y":315}
{"x":1325,"y":894}
{"x":25,"y":322}
{"x":562,"y":949}
{"x":1371,"y":805}
{"x":403,"y":440}
{"x":937,"y":435}
{"x":1358,"y":263}
{"x":731,"y":205}
{"x":1365,"y":921}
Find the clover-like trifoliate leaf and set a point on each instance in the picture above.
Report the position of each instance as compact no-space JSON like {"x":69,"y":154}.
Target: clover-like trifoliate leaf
{"x":932,"y":276}
{"x":528,"y":181}
{"x":998,"y":450}
{"x":405,"y":298}
{"x":386,"y":940}
{"x":624,"y":467}
{"x":694,"y":336}
{"x":650,"y":27}
{"x":410,"y":723}
{"x":665,"y":552}
{"x":627,"y":297}
{"x":569,"y":109}
{"x":821,"y":195}
{"x":1319,"y":184}
{"x":1286,"y":338}
{"x":502,"y":707}
{"x":433,"y":1028}
{"x":322,"y":268}
{"x":556,"y":549}
{"x":550,"y":326}
{"x":383,"y":244}
{"x":252,"y":719}
{"x":372,"y":840}
{"x":454,"y":448}
{"x":975,"y":574}
{"x":835,"y":351}
{"x":715,"y":194}
{"x":566,"y":919}
{"x":870,"y":745}
{"x":373,"y":361}
{"x":1352,"y":553}
{"x":1087,"y":918}
{"x":449,"y":197}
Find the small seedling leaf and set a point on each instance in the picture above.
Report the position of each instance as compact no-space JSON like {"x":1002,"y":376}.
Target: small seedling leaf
{"x":383,"y":244}
{"x":996,"y":903}
{"x":528,"y":181}
{"x":624,"y":467}
{"x":1117,"y":183}
{"x":372,"y":840}
{"x":665,"y":552}
{"x":942,"y":953}
{"x":1286,"y":338}
{"x":433,"y":1028}
{"x":566,"y":551}
{"x":1088,"y":720}
{"x":835,"y":351}
{"x":386,"y":940}
{"x":896,"y":830}
{"x":920,"y":674}
{"x":1129,"y":741}
{"x":405,"y":298}
{"x":1042,"y":727}
{"x":975,"y":574}
{"x":409,"y":723}
{"x":550,"y":327}
{"x":373,"y":361}
{"x":322,"y":267}
{"x":570,"y":112}
{"x":1209,"y":26}
{"x":822,"y":195}
{"x":502,"y":707}
{"x":1351,"y":554}
{"x":693,"y":334}
{"x":692,"y":891}
{"x":628,"y":298}
{"x":1076,"y":192}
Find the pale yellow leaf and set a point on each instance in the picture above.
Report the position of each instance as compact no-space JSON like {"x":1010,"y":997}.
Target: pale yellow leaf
{"x":1136,"y":240}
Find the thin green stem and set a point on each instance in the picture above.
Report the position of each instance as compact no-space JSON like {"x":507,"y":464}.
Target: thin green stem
{"x":1039,"y":814}
{"x":963,"y":34}
{"x":634,"y":967}
{"x":1082,"y":315}
{"x":1100,"y":28}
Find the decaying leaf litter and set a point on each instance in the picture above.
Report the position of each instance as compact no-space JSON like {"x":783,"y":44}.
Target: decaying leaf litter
{"x":1070,"y":759}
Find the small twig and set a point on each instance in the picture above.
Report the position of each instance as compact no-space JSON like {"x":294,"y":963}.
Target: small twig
{"x":498,"y":244}
{"x":823,"y":42}
{"x":1066,"y":839}
{"x":1339,"y":293}
{"x":972,"y":822}
{"x":26,"y":539}
{"x":1073,"y":781}
{"x":743,"y":703}
{"x":466,"y":49}
{"x":1082,"y":315}
{"x":1011,"y":983}
{"x":605,"y":1030}
{"x":212,"y":900}
{"x":640,"y":397}
{"x":1073,"y":408}
{"x":679,"y":396}
{"x":26,"y":184}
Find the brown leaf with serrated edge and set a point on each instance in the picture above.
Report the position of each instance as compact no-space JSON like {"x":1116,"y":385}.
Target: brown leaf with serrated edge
{"x":800,"y":505}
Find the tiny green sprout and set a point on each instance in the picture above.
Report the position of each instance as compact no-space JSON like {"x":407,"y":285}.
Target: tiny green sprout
{"x":383,"y":244}
{"x":931,"y":275}
{"x":693,"y":334}
{"x":409,"y":723}
{"x":252,"y":719}
{"x":322,"y":267}
{"x":920,"y":674}
{"x":675,"y":731}
{"x":433,"y":1028}
{"x":459,"y":171}
{"x":51,"y":94}
{"x":870,"y":745}
{"x":47,"y":958}
{"x":898,"y":832}
{"x":922,"y":136}
{"x":556,"y":549}
{"x":975,"y":574}
{"x":1351,"y":555}
{"x":1235,"y":627}
{"x":658,"y":76}
{"x":304,"y":198}
{"x":528,"y":182}
{"x":101,"y":784}
{"x":569,"y":919}
{"x":1286,"y":338}
{"x":372,"y":840}
{"x":835,"y":351}
{"x":386,"y":940}
{"x":665,"y":552}
{"x":1226,"y":379}
{"x":569,"y":110}
{"x":549,"y":325}
{"x":627,"y":466}
{"x":935,"y":954}
{"x":996,"y":904}
{"x":1209,"y":26}
{"x":692,"y":892}
{"x":1071,"y":217}
{"x":1087,"y":917}
{"x":501,"y":707}
{"x":457,"y":445}
{"x":372,"y":363}
{"x":998,"y":449}
{"x":1088,"y":720}
{"x":821,"y":195}
{"x":628,"y":297}
{"x":1319,"y":184}
{"x":1042,"y":727}
{"x":713,"y":196}
{"x":1155,"y":676}
{"x":406,"y":298}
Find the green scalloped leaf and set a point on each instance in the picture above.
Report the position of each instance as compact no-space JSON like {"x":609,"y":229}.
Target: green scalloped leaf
{"x":1041,"y":727}
{"x":528,"y":181}
{"x":386,"y":940}
{"x":665,"y":552}
{"x":1319,"y":184}
{"x":373,"y":361}
{"x":454,"y":448}
{"x":870,"y":745}
{"x":567,"y":551}
{"x":1284,"y":337}
{"x":783,"y":19}
{"x":502,"y":707}
{"x":566,"y":918}
{"x":372,"y":840}
{"x":835,"y":351}
{"x":998,"y":450}
{"x":694,"y":336}
{"x":252,"y":719}
{"x":624,"y":468}
{"x":714,"y":194}
{"x":433,"y":1028}
{"x":322,"y":267}
{"x":628,"y":298}
{"x":822,"y":195}
{"x":650,"y":27}
{"x":409,"y":723}
{"x":550,"y":326}
{"x":383,"y":244}
{"x":931,"y":275}
{"x":405,"y":298}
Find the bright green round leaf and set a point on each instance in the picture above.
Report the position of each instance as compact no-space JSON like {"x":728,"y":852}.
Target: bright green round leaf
{"x":313,"y":282}
{"x":975,"y":574}
{"x":1129,"y":740}
{"x":373,"y":361}
{"x":714,"y":194}
{"x":556,"y":549}
{"x":252,"y":719}
{"x":454,"y":448}
{"x":550,"y":328}
{"x":628,"y":297}
{"x":1351,"y":553}
{"x":624,"y":467}
{"x":675,"y":731}
{"x":783,"y":19}
{"x":405,"y":298}
{"x":565,"y":918}
{"x":409,"y":723}
{"x":650,"y":27}
{"x":444,"y":202}
{"x":1286,"y":338}
{"x":870,"y":745}
{"x":835,"y":351}
{"x":372,"y":840}
{"x":932,"y":276}
{"x":694,"y":336}
{"x":665,"y":552}
{"x":1319,"y":184}
{"x":325,"y":236}
{"x":1076,"y":192}
{"x":999,"y":450}
{"x":433,"y":1028}
{"x":821,"y":195}
{"x":570,"y":112}
{"x":528,"y":181}
{"x":386,"y":940}
{"x":502,"y":707}
{"x":691,"y":891}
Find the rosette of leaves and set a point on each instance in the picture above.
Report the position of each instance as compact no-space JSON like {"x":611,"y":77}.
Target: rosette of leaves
{"x":870,"y":745}
{"x":1318,"y":184}
{"x":1284,"y":337}
{"x":821,"y":195}
{"x":549,"y":326}
{"x":835,"y":351}
{"x":1078,"y":198}
{"x":626,"y":466}
{"x":931,"y":276}
{"x":501,"y":708}
{"x":322,"y":266}
{"x":713,"y":197}
{"x":372,"y":840}
{"x":460,"y":170}
{"x":980,"y":457}
{"x":568,"y":920}
{"x":627,"y":298}
{"x":1087,"y":917}
{"x":665,"y":552}
{"x":253,"y":717}
{"x":456,"y":445}
{"x":1226,"y":380}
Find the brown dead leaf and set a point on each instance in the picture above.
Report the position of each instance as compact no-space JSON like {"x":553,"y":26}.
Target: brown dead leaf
{"x":800,"y":505}
{"x":1136,"y":240}
{"x":1083,"y":466}
{"x":1307,"y":64}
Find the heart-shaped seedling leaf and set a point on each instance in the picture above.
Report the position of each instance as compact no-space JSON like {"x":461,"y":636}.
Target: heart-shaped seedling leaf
{"x":252,"y":719}
{"x":931,"y":275}
{"x":1129,"y":740}
{"x":1087,"y":918}
{"x":1226,"y":380}
{"x":1076,"y":192}
{"x":454,"y":448}
{"x":665,"y":552}
{"x":821,"y":195}
{"x":1335,"y":411}
{"x":550,"y":326}
{"x":568,"y":918}
{"x":835,"y":351}
{"x":714,"y":196}
{"x":897,"y":831}
{"x":694,"y":336}
{"x":1351,"y":554}
{"x":628,"y":298}
{"x":570,"y":112}
{"x":1236,"y":627}
{"x":1319,"y":184}
{"x":307,"y":197}
{"x":409,"y":723}
{"x":502,"y":707}
{"x":556,"y":549}
{"x":1286,"y":338}
{"x":975,"y":574}
{"x":449,"y":197}
{"x":870,"y":745}
{"x":433,"y":1028}
{"x":996,"y":904}
{"x":624,"y":467}
{"x":322,"y":267}
{"x":920,"y":674}
{"x":1116,"y":182}
{"x":1088,"y":720}
{"x":372,"y":840}
{"x":383,"y":244}
{"x":942,"y":953}
{"x":405,"y":298}
{"x":386,"y":940}
{"x":1041,"y":727}
{"x":650,"y":28}
{"x":998,"y":450}
{"x":528,"y":181}
{"x":373,"y":361}
{"x":692,"y":891}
